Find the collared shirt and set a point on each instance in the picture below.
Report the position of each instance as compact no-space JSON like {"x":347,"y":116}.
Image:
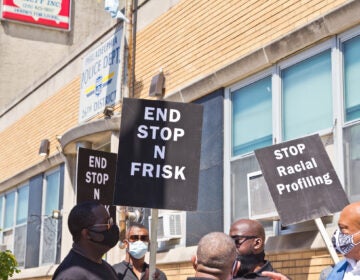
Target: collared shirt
{"x":125,"y":271}
{"x":352,"y":271}
{"x":257,"y":274}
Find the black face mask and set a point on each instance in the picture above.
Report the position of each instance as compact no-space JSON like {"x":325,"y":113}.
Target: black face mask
{"x":108,"y":237}
{"x":249,"y":262}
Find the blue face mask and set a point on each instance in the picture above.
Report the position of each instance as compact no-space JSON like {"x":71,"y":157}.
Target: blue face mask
{"x":343,"y":243}
{"x":138,"y":249}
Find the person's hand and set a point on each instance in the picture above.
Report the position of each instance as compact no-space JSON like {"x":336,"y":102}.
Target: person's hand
{"x":274,"y":275}
{"x":156,"y":274}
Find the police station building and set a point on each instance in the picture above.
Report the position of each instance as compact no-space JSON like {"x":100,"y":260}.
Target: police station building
{"x":264,"y":72}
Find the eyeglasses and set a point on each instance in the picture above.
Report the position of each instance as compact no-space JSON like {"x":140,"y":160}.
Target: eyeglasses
{"x":234,"y":266}
{"x":240,"y":239}
{"x":144,"y":238}
{"x":107,"y":226}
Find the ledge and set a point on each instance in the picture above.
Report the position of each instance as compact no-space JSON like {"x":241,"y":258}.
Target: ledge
{"x":93,"y":131}
{"x":335,"y":22}
{"x":24,"y":175}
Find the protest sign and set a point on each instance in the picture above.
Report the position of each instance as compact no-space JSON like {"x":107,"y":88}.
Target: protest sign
{"x":301,"y":179}
{"x":159,"y":154}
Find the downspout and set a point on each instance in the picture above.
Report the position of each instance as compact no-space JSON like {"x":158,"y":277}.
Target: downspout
{"x":125,"y":85}
{"x":134,"y":30}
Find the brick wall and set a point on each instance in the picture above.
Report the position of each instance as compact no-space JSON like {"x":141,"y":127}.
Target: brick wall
{"x":191,"y":40}
{"x":197,"y":37}
{"x":305,"y":265}
{"x":20,"y":142}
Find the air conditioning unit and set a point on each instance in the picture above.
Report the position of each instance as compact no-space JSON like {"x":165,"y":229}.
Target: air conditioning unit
{"x":261,"y":204}
{"x":170,"y":226}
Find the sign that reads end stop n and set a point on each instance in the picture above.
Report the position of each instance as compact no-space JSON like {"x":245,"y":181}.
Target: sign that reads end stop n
{"x":96,"y":172}
{"x":159,"y":154}
{"x":301,"y":179}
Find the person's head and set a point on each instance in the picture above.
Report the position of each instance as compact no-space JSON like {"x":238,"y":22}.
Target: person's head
{"x":137,"y":241}
{"x":215,"y":256}
{"x":249,"y":238}
{"x":348,"y":235}
{"x":91,"y":226}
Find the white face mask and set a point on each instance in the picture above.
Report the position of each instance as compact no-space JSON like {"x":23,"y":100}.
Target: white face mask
{"x":344,"y":243}
{"x":138,"y":249}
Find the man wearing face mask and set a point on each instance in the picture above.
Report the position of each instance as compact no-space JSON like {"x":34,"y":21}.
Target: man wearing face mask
{"x":249,"y":238}
{"x":94,"y":234}
{"x":134,"y":266}
{"x":346,"y":240}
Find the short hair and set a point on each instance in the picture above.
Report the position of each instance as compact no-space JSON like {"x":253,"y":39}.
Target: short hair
{"x":81,"y":216}
{"x":216,"y":250}
{"x":135,"y":225}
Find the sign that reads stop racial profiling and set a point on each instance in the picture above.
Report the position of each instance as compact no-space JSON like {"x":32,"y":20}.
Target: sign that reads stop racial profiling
{"x":159,"y":154}
{"x":96,"y":172}
{"x":301,"y":179}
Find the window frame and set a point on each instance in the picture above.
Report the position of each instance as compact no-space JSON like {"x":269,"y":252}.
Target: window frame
{"x":14,"y":226}
{"x":44,"y":216}
{"x":335,"y":130}
{"x":282,"y":65}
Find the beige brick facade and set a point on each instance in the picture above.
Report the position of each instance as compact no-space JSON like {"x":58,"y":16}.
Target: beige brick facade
{"x":305,"y":265}
{"x":196,"y":38}
{"x":193,"y":39}
{"x":189,"y":42}
{"x":20,"y":142}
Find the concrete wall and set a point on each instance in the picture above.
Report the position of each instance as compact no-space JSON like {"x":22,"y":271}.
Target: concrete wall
{"x":29,"y":53}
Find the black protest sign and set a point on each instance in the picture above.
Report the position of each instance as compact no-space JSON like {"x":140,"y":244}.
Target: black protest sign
{"x":159,"y":154}
{"x":301,"y":179}
{"x":96,"y":172}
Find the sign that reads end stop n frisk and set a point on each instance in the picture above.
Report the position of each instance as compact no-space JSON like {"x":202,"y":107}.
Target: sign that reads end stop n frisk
{"x":96,"y":172}
{"x":301,"y":179}
{"x":159,"y":154}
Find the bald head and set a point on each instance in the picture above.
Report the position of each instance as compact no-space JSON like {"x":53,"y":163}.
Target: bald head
{"x":349,"y":223}
{"x":350,"y":217}
{"x":249,"y":236}
{"x":216,"y":254}
{"x":247,"y":227}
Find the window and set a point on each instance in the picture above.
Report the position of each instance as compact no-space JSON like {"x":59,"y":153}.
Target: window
{"x":15,"y":222}
{"x":293,"y":99}
{"x":352,"y":161}
{"x":351,"y":132}
{"x":307,"y":96}
{"x":351,"y":50}
{"x":8,"y":230}
{"x":251,"y":109}
{"x":28,"y":229}
{"x":50,"y":235}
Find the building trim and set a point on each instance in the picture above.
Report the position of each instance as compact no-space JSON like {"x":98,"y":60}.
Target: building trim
{"x":93,"y":132}
{"x":34,"y":170}
{"x":331,"y":24}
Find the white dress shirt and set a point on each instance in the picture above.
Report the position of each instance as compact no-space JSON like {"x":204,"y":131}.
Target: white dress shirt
{"x":353,"y":270}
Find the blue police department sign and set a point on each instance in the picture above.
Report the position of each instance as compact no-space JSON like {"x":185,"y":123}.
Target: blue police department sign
{"x":100,"y":78}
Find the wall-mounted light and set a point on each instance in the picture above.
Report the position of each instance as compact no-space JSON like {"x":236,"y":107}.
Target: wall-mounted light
{"x":108,"y":112}
{"x":44,"y":147}
{"x":157,"y":86}
{"x":56,"y":214}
